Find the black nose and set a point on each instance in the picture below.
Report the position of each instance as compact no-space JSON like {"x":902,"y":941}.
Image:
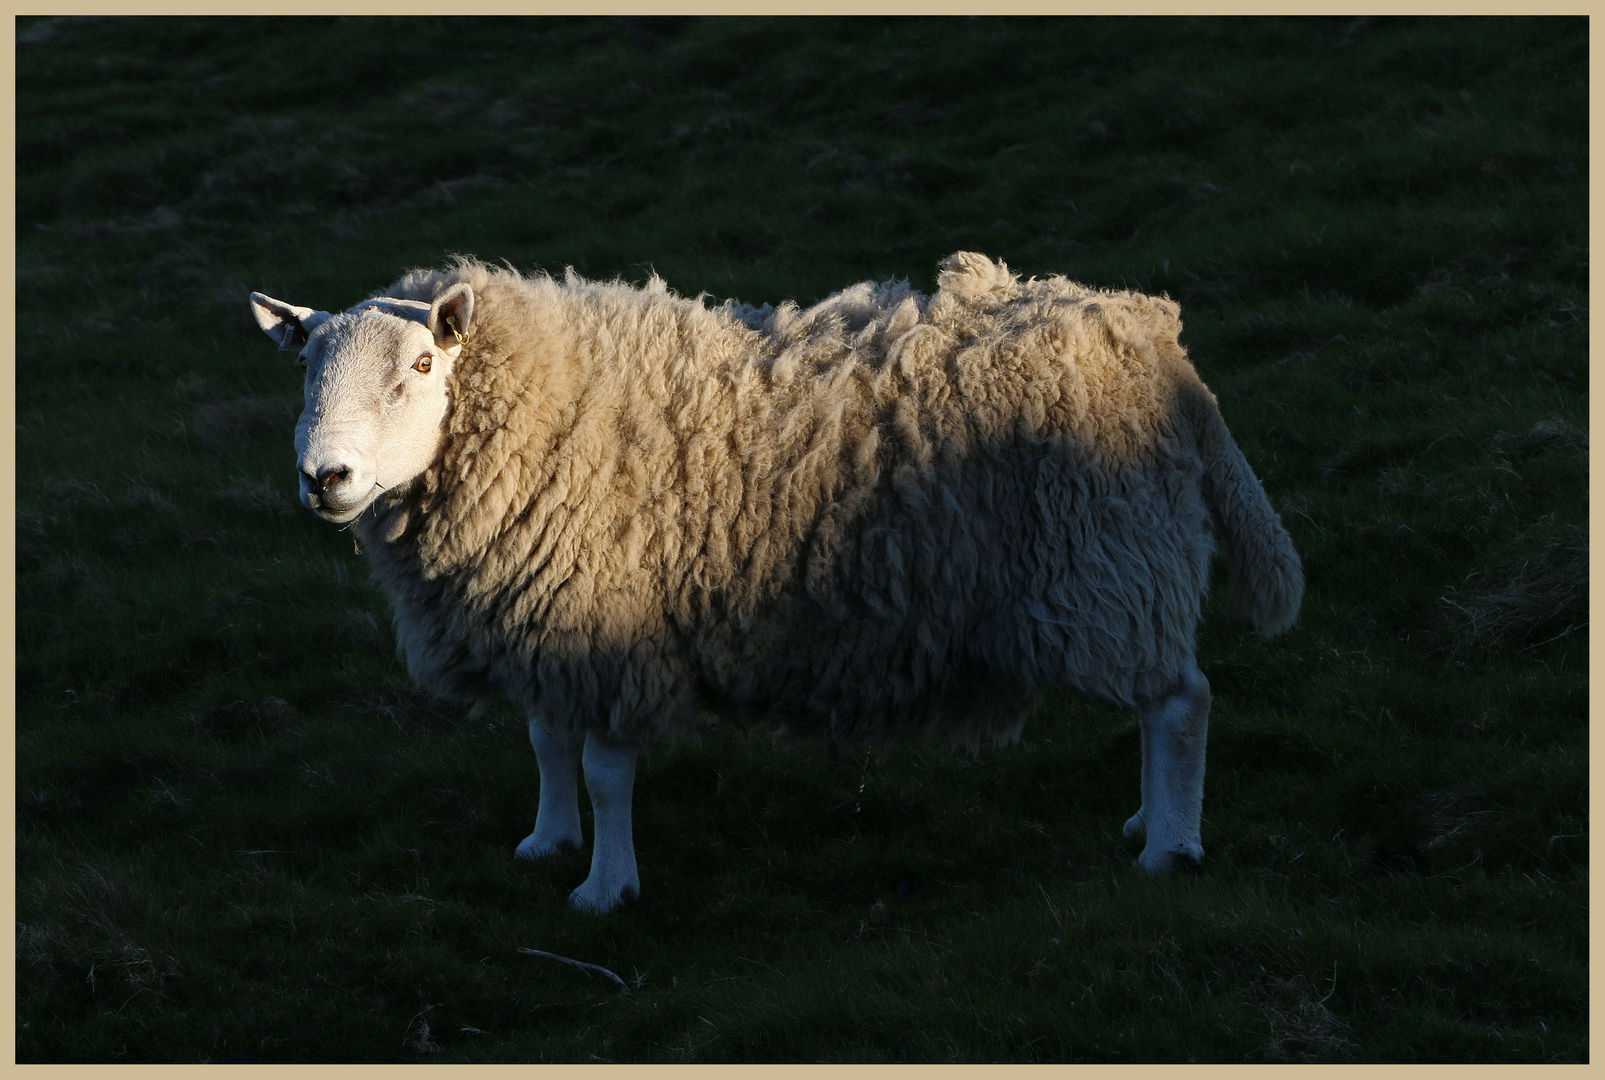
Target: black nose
{"x":328,"y":478}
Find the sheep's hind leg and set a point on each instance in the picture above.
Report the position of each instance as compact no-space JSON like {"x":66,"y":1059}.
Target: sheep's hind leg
{"x":1175,"y":730}
{"x":610,"y":778}
{"x":557,"y":821}
{"x":1136,"y":824}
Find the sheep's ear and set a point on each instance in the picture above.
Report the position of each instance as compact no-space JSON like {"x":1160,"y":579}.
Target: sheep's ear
{"x":451,"y":315}
{"x":285,"y":323}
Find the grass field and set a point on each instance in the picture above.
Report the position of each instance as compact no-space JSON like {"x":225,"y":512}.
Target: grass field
{"x":241,"y":834}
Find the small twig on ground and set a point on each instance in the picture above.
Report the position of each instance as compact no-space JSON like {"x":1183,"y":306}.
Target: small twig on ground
{"x":1332,"y":991}
{"x":1057,"y":921}
{"x":576,"y":963}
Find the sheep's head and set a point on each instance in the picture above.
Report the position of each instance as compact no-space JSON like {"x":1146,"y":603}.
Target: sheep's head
{"x":377,"y":392}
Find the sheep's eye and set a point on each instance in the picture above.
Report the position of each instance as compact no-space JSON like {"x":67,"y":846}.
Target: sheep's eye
{"x":302,"y":361}
{"x":422,"y":364}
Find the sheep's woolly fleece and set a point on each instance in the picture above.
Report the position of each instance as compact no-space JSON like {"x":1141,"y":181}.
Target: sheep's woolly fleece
{"x":880,"y":513}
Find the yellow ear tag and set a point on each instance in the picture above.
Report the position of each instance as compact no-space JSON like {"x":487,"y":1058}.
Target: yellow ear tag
{"x":451,"y":321}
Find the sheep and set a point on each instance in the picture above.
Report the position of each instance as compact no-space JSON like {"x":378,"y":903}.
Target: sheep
{"x":628,"y":512}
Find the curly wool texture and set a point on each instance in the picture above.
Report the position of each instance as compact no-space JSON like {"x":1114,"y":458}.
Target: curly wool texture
{"x":884,"y":512}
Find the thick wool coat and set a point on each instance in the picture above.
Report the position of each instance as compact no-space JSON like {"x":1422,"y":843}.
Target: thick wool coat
{"x":883,"y":512}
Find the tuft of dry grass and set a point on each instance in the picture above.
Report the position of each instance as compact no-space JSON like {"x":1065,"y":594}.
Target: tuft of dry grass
{"x":1544,"y":433}
{"x":1302,"y":1028}
{"x":1523,"y":602}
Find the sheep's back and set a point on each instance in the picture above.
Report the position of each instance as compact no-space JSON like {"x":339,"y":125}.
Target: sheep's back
{"x":1001,"y":498}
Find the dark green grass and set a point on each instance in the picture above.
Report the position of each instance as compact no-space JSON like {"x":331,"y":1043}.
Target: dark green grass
{"x":242,"y":835}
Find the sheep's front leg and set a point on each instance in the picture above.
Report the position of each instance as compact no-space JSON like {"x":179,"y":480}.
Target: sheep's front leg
{"x":610,"y":778}
{"x":557,"y":821}
{"x":1175,"y":730}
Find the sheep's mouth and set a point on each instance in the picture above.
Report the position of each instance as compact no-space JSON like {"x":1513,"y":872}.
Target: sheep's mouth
{"x":342,"y":515}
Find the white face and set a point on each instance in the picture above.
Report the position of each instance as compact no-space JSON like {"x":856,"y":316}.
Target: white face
{"x":376,"y":403}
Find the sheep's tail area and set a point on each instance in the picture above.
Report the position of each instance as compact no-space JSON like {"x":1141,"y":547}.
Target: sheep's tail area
{"x":1266,"y":578}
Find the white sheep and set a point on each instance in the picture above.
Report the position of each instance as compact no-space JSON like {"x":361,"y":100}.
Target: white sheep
{"x":625,"y":510}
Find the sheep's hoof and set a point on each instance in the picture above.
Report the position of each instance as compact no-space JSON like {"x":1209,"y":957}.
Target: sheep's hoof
{"x":597,"y":901}
{"x":1165,"y":861}
{"x":1134,"y":827}
{"x":535,"y":846}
